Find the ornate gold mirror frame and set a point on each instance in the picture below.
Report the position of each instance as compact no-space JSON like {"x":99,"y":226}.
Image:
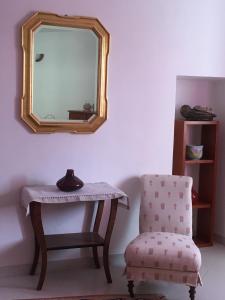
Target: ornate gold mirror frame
{"x":27,"y":113}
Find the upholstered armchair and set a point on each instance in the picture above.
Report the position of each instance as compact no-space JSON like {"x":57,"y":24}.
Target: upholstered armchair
{"x":164,"y":249}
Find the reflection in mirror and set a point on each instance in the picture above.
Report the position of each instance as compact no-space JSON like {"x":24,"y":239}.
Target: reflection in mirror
{"x":65,"y":73}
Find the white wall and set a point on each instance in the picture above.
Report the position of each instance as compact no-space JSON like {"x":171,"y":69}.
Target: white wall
{"x":152,"y":41}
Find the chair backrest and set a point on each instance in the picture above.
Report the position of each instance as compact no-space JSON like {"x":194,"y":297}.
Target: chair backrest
{"x":166,"y":204}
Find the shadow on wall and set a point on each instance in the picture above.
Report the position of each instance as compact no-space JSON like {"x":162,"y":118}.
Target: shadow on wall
{"x":125,"y":218}
{"x":132,"y":187}
{"x":15,"y":227}
{"x":19,"y":68}
{"x":127,"y":221}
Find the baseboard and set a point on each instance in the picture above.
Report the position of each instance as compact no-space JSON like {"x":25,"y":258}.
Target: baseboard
{"x":56,"y":265}
{"x":219,"y":239}
{"x":17,"y":270}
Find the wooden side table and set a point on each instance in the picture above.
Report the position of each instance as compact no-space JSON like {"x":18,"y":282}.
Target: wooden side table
{"x":80,"y":115}
{"x":33,"y":199}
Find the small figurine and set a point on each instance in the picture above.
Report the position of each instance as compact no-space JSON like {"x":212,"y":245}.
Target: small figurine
{"x":197,"y":113}
{"x":194,"y":196}
{"x":88,"y":107}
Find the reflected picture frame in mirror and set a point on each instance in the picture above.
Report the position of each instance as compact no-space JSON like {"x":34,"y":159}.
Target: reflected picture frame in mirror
{"x":88,"y":117}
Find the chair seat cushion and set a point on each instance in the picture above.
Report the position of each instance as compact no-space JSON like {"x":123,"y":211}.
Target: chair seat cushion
{"x":163,"y":250}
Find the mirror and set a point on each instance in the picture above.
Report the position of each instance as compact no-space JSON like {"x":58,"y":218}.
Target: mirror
{"x":64,"y":77}
{"x":65,"y":74}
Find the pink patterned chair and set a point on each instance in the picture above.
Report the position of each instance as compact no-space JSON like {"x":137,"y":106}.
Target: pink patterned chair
{"x":164,"y":250}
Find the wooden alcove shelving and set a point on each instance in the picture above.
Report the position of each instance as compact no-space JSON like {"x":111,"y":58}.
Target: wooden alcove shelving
{"x":207,"y":132}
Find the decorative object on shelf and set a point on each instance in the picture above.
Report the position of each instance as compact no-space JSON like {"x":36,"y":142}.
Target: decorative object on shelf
{"x":197,"y":113}
{"x":194,"y":151}
{"x":88,"y":107}
{"x":69,"y":182}
{"x":49,"y":116}
{"x":194,"y":196}
{"x":39,"y":57}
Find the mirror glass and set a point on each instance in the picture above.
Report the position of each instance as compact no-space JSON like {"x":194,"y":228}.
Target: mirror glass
{"x":65,"y":73}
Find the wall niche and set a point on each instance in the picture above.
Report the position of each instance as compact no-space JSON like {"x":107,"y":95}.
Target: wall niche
{"x":206,"y":92}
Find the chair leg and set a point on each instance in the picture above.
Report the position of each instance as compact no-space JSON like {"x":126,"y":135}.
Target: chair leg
{"x":192,"y":292}
{"x":130,"y":288}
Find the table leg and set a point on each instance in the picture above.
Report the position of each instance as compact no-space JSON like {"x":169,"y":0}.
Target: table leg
{"x":112,"y":217}
{"x":95,"y":229}
{"x":35,"y":213}
{"x":36,"y":257}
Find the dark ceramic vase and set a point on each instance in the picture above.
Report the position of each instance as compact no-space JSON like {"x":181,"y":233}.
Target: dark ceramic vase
{"x":69,"y":182}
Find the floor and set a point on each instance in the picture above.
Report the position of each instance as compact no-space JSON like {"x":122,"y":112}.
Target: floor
{"x":66,"y":279}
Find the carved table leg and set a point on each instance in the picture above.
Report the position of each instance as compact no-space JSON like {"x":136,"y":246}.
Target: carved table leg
{"x":95,"y":229}
{"x":36,"y":256}
{"x":35,"y":213}
{"x":192,"y":292}
{"x":112,"y":217}
{"x":130,"y":288}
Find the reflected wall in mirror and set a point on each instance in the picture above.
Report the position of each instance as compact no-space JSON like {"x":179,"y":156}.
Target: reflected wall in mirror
{"x":65,"y":70}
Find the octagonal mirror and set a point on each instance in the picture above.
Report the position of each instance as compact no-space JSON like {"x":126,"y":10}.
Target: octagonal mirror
{"x":65,"y":73}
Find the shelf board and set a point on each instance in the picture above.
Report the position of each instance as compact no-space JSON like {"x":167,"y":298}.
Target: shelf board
{"x":198,"y":161}
{"x":186,"y":122}
{"x":200,"y":204}
{"x":73,"y":240}
{"x":202,"y":243}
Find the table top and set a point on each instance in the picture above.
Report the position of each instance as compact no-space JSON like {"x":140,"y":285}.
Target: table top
{"x":89,"y":192}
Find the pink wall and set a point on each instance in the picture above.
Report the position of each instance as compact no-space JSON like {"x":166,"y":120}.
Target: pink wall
{"x":152,"y":41}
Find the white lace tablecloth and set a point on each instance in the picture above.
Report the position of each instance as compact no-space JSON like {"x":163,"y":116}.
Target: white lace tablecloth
{"x":89,"y":192}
